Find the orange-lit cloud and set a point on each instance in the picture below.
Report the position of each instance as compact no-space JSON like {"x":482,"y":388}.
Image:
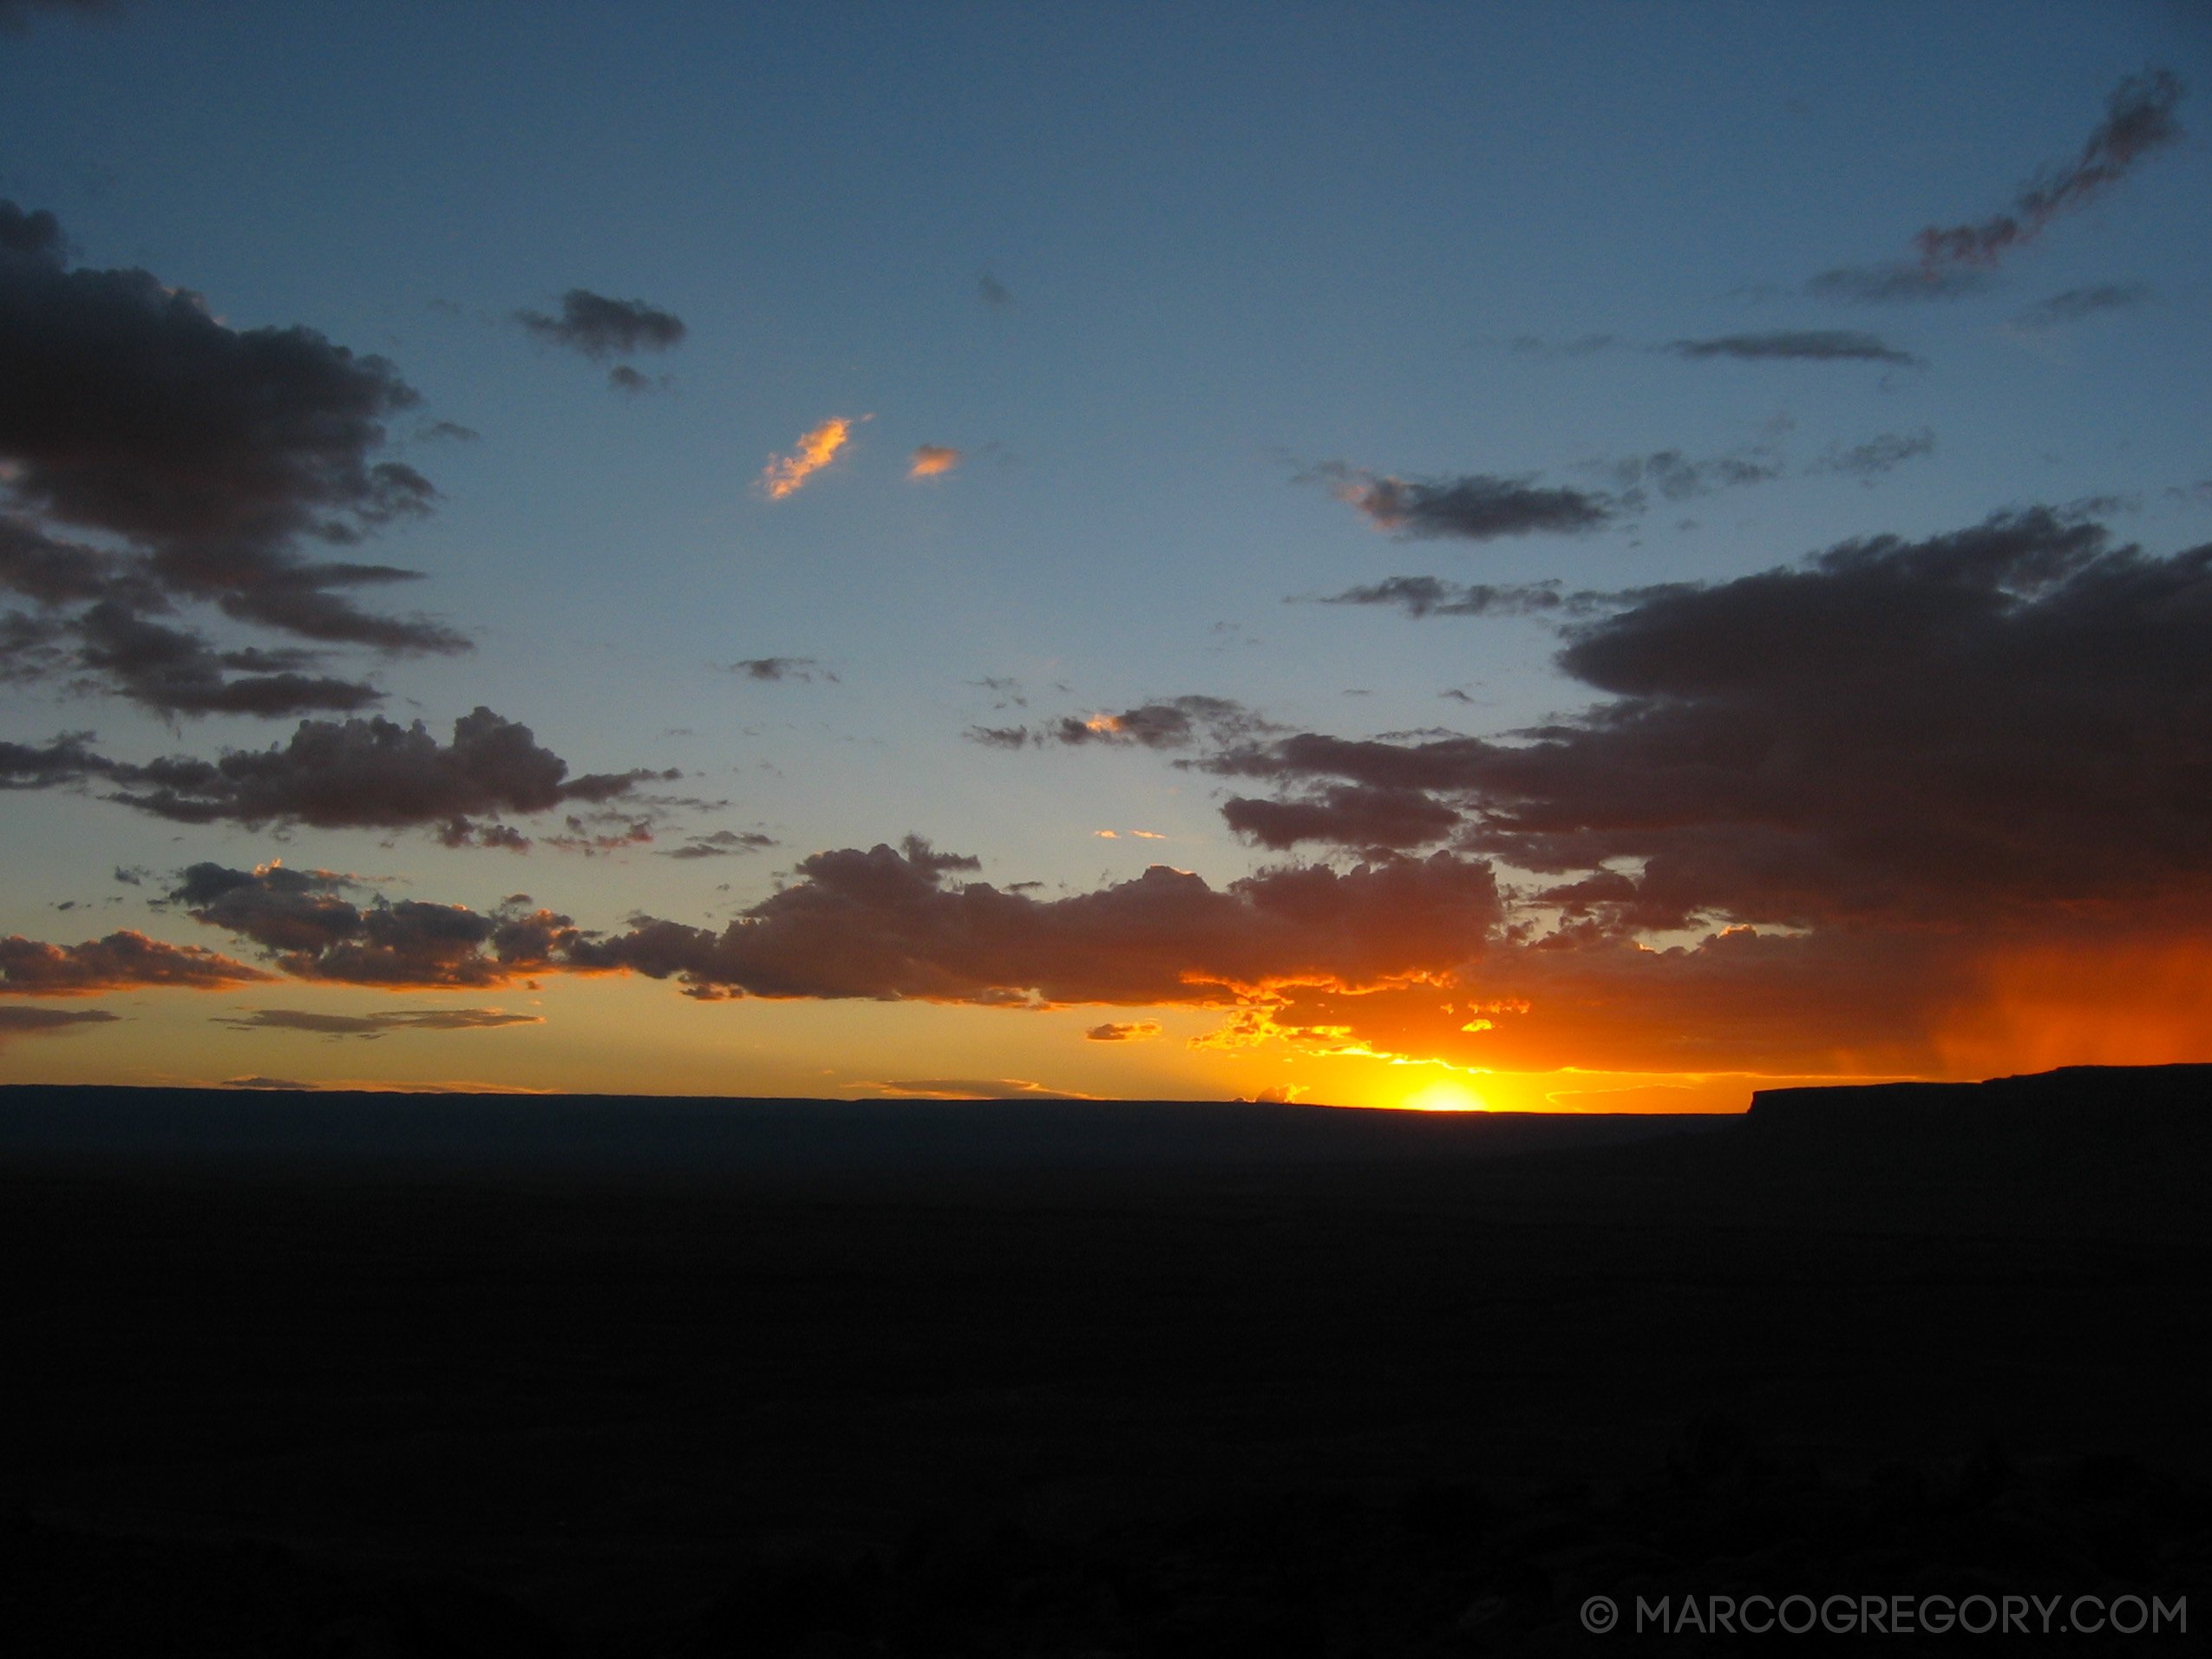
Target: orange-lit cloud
{"x":931,"y":460}
{"x":785,"y":473}
{"x":1126,"y":1031}
{"x":122,"y":961}
{"x":46,"y":1021}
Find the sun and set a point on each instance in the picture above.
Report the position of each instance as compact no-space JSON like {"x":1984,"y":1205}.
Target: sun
{"x":1445,"y":1096}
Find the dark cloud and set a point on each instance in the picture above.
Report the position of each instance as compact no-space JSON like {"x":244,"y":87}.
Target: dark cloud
{"x":289,"y":1085}
{"x":1002,"y":737}
{"x":368,"y":773}
{"x":1475,"y":507}
{"x":805,"y":670}
{"x":1797,"y":345}
{"x":2076,"y":303}
{"x":722,"y":844}
{"x":122,"y":961}
{"x":1883,"y":453}
{"x":631,"y":382}
{"x":598,"y":327}
{"x":1176,"y":722}
{"x":1895,"y":285}
{"x":376,"y":1025}
{"x":449,"y":431}
{"x":46,"y":1021}
{"x":1675,"y":476}
{"x":1124,"y":1031}
{"x":993,"y":293}
{"x":1974,"y":725}
{"x":2138,"y":119}
{"x":213,"y":455}
{"x":1346,"y":815}
{"x":68,"y":758}
{"x":305,"y":925}
{"x":887,"y":924}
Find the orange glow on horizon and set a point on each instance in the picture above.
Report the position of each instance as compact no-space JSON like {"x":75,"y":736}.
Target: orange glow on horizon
{"x":2119,"y":1005}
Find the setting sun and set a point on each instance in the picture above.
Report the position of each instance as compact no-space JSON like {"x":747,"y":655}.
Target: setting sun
{"x":1445,"y":1096}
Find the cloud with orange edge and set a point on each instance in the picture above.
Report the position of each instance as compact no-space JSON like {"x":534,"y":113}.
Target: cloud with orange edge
{"x":932,"y":461}
{"x":816,"y":450}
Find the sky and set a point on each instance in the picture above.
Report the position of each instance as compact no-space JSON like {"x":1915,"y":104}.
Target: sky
{"x":1591,"y":557}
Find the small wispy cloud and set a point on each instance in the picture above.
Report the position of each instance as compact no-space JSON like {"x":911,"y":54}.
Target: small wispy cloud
{"x":932,"y":461}
{"x":814,"y":450}
{"x":1124,"y":1031}
{"x":1796,"y":345}
{"x":805,"y":670}
{"x":1478,"y":506}
{"x":2077,"y":304}
{"x":376,"y":1025}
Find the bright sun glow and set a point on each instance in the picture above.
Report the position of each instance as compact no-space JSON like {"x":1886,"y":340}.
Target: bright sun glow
{"x":1445,"y":1096}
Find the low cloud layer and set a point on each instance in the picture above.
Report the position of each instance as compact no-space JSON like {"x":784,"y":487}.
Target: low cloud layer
{"x":17,"y":1022}
{"x":211,"y":458}
{"x":372,"y":1026}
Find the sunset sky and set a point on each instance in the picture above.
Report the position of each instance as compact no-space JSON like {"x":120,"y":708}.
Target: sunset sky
{"x":1581,"y":557}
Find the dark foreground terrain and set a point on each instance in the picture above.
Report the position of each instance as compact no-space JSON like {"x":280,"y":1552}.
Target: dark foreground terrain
{"x":398,"y":1376}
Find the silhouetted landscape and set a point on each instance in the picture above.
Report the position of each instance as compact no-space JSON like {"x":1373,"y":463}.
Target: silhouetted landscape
{"x":381,"y":1374}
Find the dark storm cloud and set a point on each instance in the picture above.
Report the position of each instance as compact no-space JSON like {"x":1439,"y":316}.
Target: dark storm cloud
{"x":1895,"y":285}
{"x":376,"y":1025}
{"x":1883,"y":453}
{"x":122,"y":961}
{"x":886,"y":924}
{"x":2076,"y":303}
{"x":1796,"y":345}
{"x":67,"y":759}
{"x":368,"y":773}
{"x":804,"y":669}
{"x":1971,"y":726}
{"x":213,"y":454}
{"x":1475,"y":507}
{"x":1425,"y":595}
{"x":2138,"y":119}
{"x":596,"y":327}
{"x":303,"y":923}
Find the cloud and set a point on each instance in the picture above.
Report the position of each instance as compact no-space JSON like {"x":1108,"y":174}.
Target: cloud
{"x":993,"y":293}
{"x":977,"y":1088}
{"x":376,"y":1025}
{"x":2138,"y":119}
{"x":932,"y":461}
{"x":286,"y":1083}
{"x":46,"y":1021}
{"x":210,"y":457}
{"x":624,"y":379}
{"x":1124,"y":1031}
{"x":785,"y":473}
{"x":596,"y":327}
{"x":305,"y":925}
{"x":802,"y":668}
{"x":368,"y":773}
{"x":1895,"y":285}
{"x":1796,"y":345}
{"x":1177,"y":723}
{"x":722,"y":844}
{"x":1425,"y":595}
{"x":2077,"y":304}
{"x":1476,"y":507}
{"x":1883,"y":453}
{"x":887,"y":925}
{"x":122,"y":961}
{"x":1346,"y":814}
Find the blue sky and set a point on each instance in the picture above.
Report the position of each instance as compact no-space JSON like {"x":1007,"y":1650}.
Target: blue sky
{"x":1223,"y":250}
